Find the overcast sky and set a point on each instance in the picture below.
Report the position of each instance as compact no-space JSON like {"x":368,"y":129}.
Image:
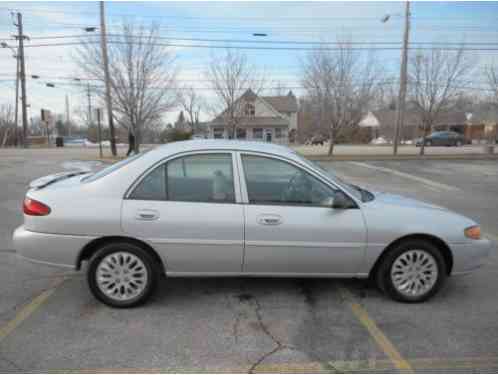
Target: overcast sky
{"x":234,"y":24}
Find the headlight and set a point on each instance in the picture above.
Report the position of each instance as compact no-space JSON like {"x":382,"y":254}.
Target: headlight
{"x":473,"y":232}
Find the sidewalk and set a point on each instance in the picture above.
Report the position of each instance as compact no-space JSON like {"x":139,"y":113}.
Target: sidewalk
{"x":385,"y":152}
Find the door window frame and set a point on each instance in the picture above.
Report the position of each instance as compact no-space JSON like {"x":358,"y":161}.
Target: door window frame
{"x":302,"y":167}
{"x":164,"y":161}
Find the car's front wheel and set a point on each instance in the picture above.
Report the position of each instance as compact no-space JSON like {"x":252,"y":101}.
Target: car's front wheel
{"x":412,"y":272}
{"x":122,"y":275}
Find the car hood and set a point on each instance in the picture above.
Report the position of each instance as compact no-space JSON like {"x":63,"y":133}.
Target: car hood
{"x":399,"y":200}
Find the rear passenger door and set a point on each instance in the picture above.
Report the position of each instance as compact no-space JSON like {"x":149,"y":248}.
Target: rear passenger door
{"x":186,"y":208}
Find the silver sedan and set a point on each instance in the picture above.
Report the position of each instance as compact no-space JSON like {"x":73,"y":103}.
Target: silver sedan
{"x":229,"y":208}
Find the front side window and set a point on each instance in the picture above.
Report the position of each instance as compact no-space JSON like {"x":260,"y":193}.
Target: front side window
{"x":200,"y":178}
{"x":272,"y":181}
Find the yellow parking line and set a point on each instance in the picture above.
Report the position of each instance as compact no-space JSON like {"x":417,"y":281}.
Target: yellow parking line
{"x":28,"y":309}
{"x":385,"y":344}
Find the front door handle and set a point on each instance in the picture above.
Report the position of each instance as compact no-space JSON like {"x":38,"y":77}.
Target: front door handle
{"x":147,"y":215}
{"x":269,"y":219}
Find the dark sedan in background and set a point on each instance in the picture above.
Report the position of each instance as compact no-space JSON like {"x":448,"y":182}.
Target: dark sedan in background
{"x":443,"y":138}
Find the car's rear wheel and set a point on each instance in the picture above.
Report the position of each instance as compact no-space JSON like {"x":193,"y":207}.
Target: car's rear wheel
{"x":412,"y":272}
{"x":428,"y":143}
{"x":458,"y":143}
{"x":122,"y":275}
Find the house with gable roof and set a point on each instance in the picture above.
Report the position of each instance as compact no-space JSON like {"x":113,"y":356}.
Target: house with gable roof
{"x":263,"y":118}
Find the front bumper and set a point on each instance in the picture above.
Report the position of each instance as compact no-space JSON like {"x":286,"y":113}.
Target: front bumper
{"x":51,"y":249}
{"x":471,"y":255}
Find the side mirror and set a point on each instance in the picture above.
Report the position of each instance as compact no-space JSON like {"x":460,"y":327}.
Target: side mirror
{"x":341,"y":201}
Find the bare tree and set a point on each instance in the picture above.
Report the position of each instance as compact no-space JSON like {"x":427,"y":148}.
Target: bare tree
{"x":491,"y":73}
{"x":142,"y":74}
{"x":435,"y":80}
{"x":192,"y":103}
{"x":229,"y":75}
{"x":341,"y":84}
{"x":7,"y":123}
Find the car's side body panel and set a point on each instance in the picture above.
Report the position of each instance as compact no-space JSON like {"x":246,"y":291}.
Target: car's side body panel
{"x":190,"y":237}
{"x":410,"y":217}
{"x":307,"y":240}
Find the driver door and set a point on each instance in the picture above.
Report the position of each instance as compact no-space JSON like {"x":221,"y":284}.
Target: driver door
{"x":290,"y":228}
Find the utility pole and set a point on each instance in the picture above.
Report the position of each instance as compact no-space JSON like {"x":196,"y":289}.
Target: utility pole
{"x":21,"y":38}
{"x":105,"y":60}
{"x":400,"y":113}
{"x":89,"y":95}
{"x":68,"y":117}
{"x":16,"y":115}
{"x":99,"y":116}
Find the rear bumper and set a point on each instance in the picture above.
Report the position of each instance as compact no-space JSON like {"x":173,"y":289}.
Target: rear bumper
{"x":471,"y":255}
{"x":51,"y":249}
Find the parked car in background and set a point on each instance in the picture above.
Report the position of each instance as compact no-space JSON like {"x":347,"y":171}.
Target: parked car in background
{"x":379,"y":141}
{"x":442,"y":138}
{"x":318,"y":140}
{"x":230,"y":208}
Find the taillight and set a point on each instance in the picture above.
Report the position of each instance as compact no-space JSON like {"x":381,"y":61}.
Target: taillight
{"x":35,"y":208}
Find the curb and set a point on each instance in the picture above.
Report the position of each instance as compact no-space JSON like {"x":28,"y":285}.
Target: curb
{"x":400,"y":157}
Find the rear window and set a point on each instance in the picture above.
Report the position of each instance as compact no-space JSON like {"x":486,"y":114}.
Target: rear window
{"x":112,"y":168}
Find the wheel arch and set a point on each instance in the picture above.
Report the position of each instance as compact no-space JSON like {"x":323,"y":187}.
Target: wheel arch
{"x":90,"y":248}
{"x":438,"y":242}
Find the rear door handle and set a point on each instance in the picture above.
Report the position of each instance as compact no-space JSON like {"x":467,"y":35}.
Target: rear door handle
{"x":269,"y":219}
{"x":147,"y":215}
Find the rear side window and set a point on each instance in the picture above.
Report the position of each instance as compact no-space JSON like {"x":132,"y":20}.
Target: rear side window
{"x":196,"y":178}
{"x":152,"y":187}
{"x":201,"y":178}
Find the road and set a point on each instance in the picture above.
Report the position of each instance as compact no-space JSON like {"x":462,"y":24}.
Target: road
{"x":50,"y":322}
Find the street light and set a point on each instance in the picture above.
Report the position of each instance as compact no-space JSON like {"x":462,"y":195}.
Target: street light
{"x":90,"y":29}
{"x":5,"y":45}
{"x":400,"y":110}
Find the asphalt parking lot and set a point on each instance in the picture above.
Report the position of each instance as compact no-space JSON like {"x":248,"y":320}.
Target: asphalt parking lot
{"x":49,"y":321}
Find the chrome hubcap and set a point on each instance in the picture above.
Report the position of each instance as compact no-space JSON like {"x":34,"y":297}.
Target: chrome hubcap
{"x":121,"y":276}
{"x":414,"y":273}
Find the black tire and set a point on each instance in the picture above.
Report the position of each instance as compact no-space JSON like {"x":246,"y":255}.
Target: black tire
{"x":151,"y":268}
{"x":458,"y":143}
{"x":383,"y":275}
{"x":428,"y":143}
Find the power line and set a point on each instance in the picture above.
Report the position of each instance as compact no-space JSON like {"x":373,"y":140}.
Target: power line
{"x":252,"y":41}
{"x":77,"y":80}
{"x":290,"y":87}
{"x":64,"y":44}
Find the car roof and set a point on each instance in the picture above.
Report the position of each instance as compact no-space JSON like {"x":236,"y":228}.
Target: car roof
{"x":221,"y":144}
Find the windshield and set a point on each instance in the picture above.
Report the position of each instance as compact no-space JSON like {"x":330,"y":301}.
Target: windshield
{"x":112,"y":168}
{"x":356,"y":191}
